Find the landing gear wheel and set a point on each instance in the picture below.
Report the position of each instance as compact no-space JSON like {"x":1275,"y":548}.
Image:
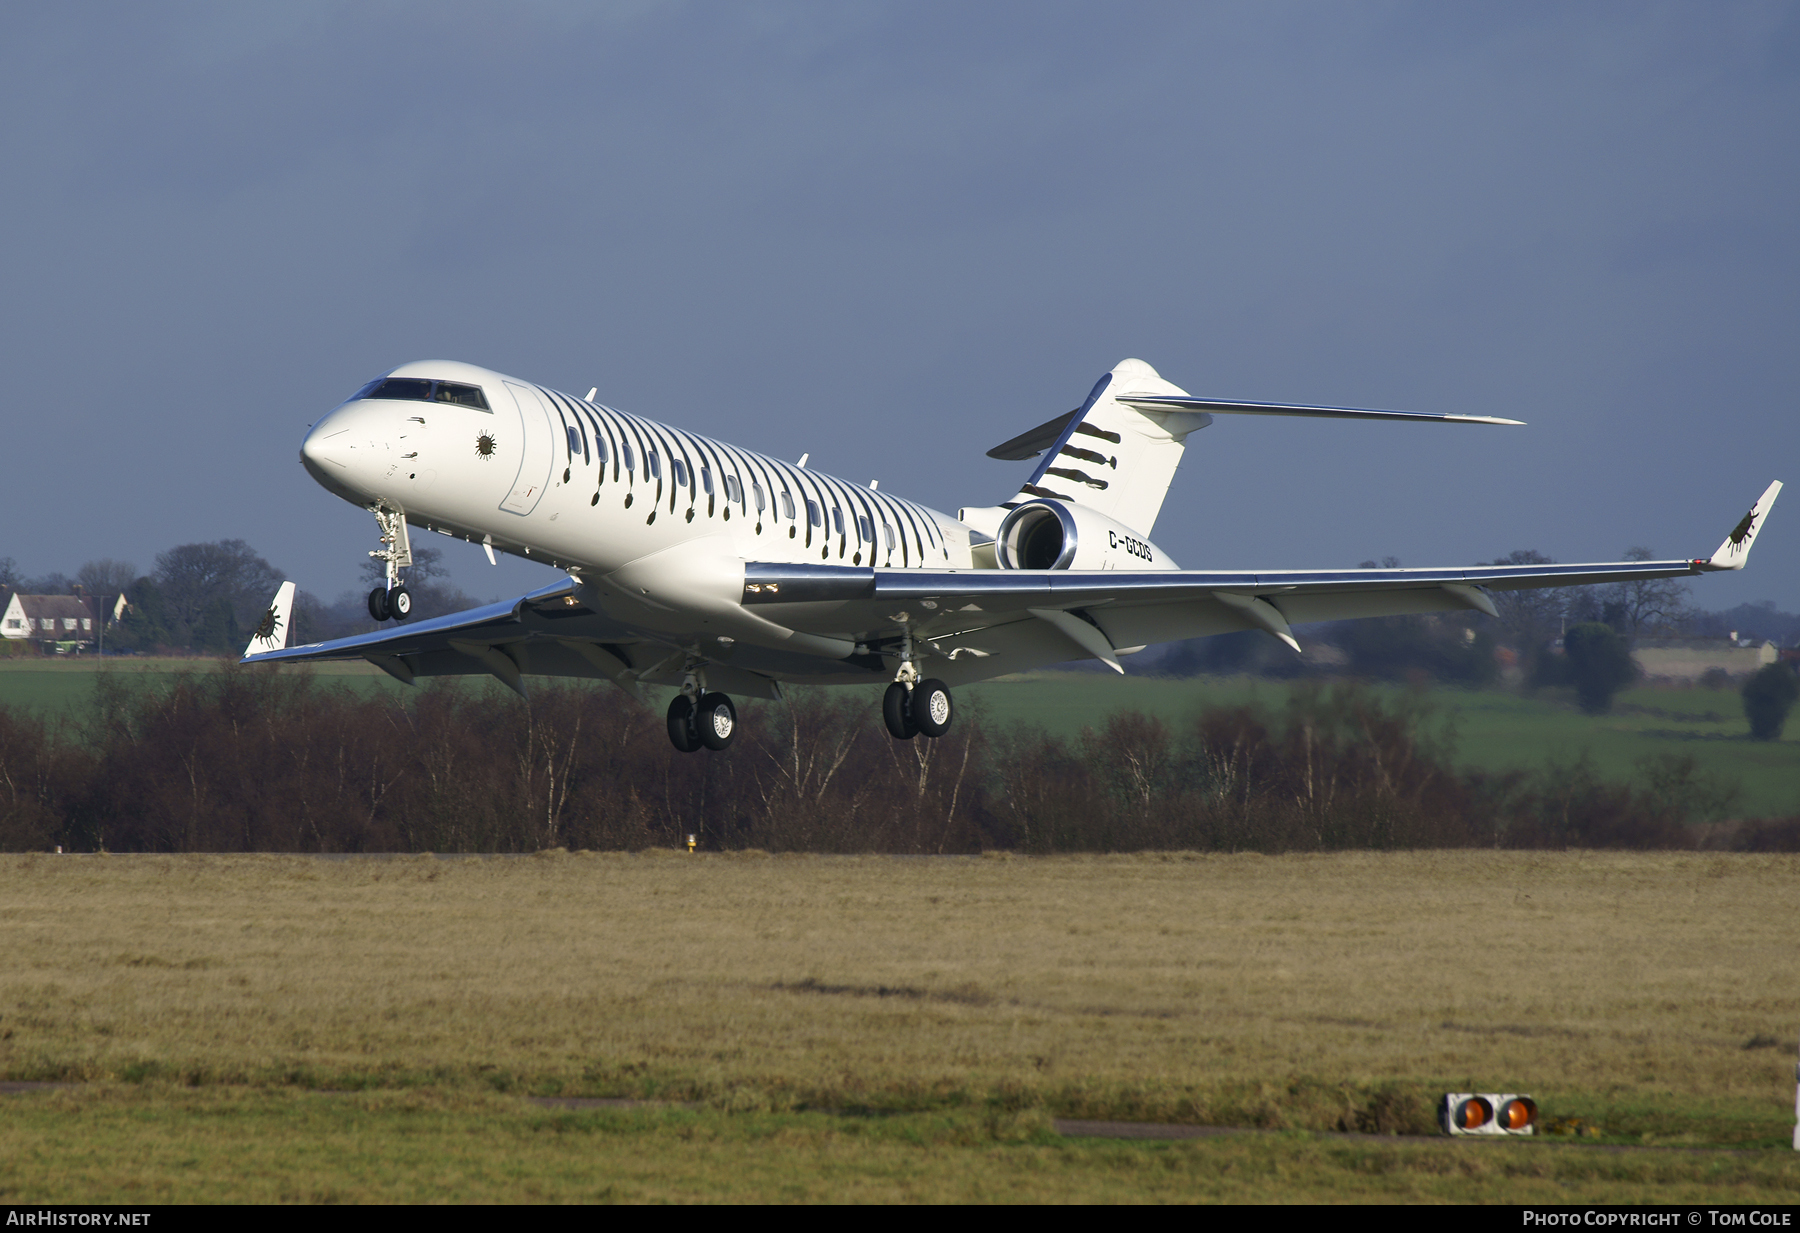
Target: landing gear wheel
{"x":378,"y":604}
{"x":931,"y":707}
{"x":399,"y":602}
{"x":896,"y":714}
{"x":717,"y":721}
{"x":681,"y":724}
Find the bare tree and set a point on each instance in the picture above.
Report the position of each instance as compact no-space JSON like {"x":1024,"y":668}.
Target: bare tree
{"x":1529,"y":618}
{"x":194,"y":577}
{"x":107,"y":576}
{"x":1654,"y":603}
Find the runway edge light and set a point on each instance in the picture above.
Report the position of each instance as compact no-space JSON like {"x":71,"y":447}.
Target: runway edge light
{"x":1487,"y":1113}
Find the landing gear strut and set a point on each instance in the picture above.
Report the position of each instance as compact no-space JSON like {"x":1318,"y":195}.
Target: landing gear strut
{"x":391,"y":602}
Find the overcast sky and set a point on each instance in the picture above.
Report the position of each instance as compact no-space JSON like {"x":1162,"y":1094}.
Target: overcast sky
{"x":894,"y":235}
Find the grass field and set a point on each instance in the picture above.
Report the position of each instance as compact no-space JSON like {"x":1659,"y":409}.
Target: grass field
{"x":892,"y":1028}
{"x":1494,"y":730}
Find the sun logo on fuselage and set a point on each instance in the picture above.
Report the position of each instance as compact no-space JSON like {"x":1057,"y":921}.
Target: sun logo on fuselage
{"x":484,"y":445}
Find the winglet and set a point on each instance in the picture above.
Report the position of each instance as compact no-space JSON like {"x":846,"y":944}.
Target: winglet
{"x":272,"y":631}
{"x":1736,"y":549}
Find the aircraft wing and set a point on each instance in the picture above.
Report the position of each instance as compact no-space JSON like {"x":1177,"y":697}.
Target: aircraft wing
{"x":547,"y":632}
{"x":1016,"y":614}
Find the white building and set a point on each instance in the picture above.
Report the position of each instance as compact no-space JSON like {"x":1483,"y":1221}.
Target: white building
{"x":49,"y":619}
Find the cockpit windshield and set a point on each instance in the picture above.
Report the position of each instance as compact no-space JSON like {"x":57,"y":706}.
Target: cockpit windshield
{"x":415,"y":389}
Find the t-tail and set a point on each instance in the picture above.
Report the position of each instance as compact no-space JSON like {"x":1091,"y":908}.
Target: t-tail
{"x":1117,"y":453}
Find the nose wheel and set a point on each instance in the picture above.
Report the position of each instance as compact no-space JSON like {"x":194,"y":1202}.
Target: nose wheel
{"x":386,"y":605}
{"x":391,"y":602}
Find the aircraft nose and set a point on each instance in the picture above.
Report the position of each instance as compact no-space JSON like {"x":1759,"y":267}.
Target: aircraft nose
{"x":328,"y":442}
{"x":327,"y":453}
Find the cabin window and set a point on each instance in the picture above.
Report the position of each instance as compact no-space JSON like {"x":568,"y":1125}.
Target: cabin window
{"x":680,"y":472}
{"x":600,"y":449}
{"x":866,"y":528}
{"x":837,"y":519}
{"x":812,"y":511}
{"x":734,"y":491}
{"x":706,"y":480}
{"x":787,"y":505}
{"x":757,"y":492}
{"x":887,"y":533}
{"x":574,"y":443}
{"x":630,"y":457}
{"x":653,"y":463}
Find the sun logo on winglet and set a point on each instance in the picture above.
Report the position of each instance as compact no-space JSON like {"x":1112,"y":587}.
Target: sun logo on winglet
{"x":484,"y":445}
{"x":1741,"y":532}
{"x":266,"y":627}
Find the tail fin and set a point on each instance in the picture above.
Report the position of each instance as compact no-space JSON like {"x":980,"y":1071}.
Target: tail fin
{"x":1107,"y":455}
{"x":272,"y":631}
{"x":1117,"y":452}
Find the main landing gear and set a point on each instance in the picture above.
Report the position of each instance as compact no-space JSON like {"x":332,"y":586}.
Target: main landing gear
{"x":699,"y":719}
{"x":391,"y":602}
{"x":924,"y":707}
{"x":910,"y":705}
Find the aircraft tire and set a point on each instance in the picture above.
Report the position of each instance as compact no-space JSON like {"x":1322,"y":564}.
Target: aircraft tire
{"x":378,"y":604}
{"x":682,"y":732}
{"x":717,"y":722}
{"x":399,"y":602}
{"x":932,"y":710}
{"x":896,"y":715}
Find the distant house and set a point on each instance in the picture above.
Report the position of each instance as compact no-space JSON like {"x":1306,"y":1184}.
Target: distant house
{"x":58,"y":623}
{"x":1688,"y":659}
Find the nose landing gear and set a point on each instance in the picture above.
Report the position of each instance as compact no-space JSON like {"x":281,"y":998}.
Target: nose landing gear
{"x":391,"y":602}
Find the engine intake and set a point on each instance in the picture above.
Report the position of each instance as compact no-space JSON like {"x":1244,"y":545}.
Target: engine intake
{"x":1051,"y":534}
{"x":1038,"y":535}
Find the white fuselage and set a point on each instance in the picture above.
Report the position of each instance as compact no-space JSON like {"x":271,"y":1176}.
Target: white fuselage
{"x":593,"y":490}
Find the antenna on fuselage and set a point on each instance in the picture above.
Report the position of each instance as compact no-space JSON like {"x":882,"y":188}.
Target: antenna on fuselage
{"x":591,"y":393}
{"x":802,"y":463}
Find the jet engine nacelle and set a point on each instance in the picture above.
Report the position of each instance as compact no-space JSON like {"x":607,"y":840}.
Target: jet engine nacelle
{"x":1045,"y":534}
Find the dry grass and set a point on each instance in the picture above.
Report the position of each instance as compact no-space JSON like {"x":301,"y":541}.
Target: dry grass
{"x":148,"y":1143}
{"x":955,"y":1002}
{"x":1299,"y":991}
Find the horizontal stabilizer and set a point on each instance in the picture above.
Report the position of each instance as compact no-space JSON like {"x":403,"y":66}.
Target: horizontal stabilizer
{"x":1216,"y":406}
{"x":1735,"y":551}
{"x":1033,"y":442}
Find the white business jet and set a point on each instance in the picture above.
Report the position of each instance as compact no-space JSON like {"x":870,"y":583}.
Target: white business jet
{"x":696,"y":564}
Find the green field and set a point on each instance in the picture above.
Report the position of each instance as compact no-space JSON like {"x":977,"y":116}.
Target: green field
{"x":270,"y":1028}
{"x":1493,"y":730}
